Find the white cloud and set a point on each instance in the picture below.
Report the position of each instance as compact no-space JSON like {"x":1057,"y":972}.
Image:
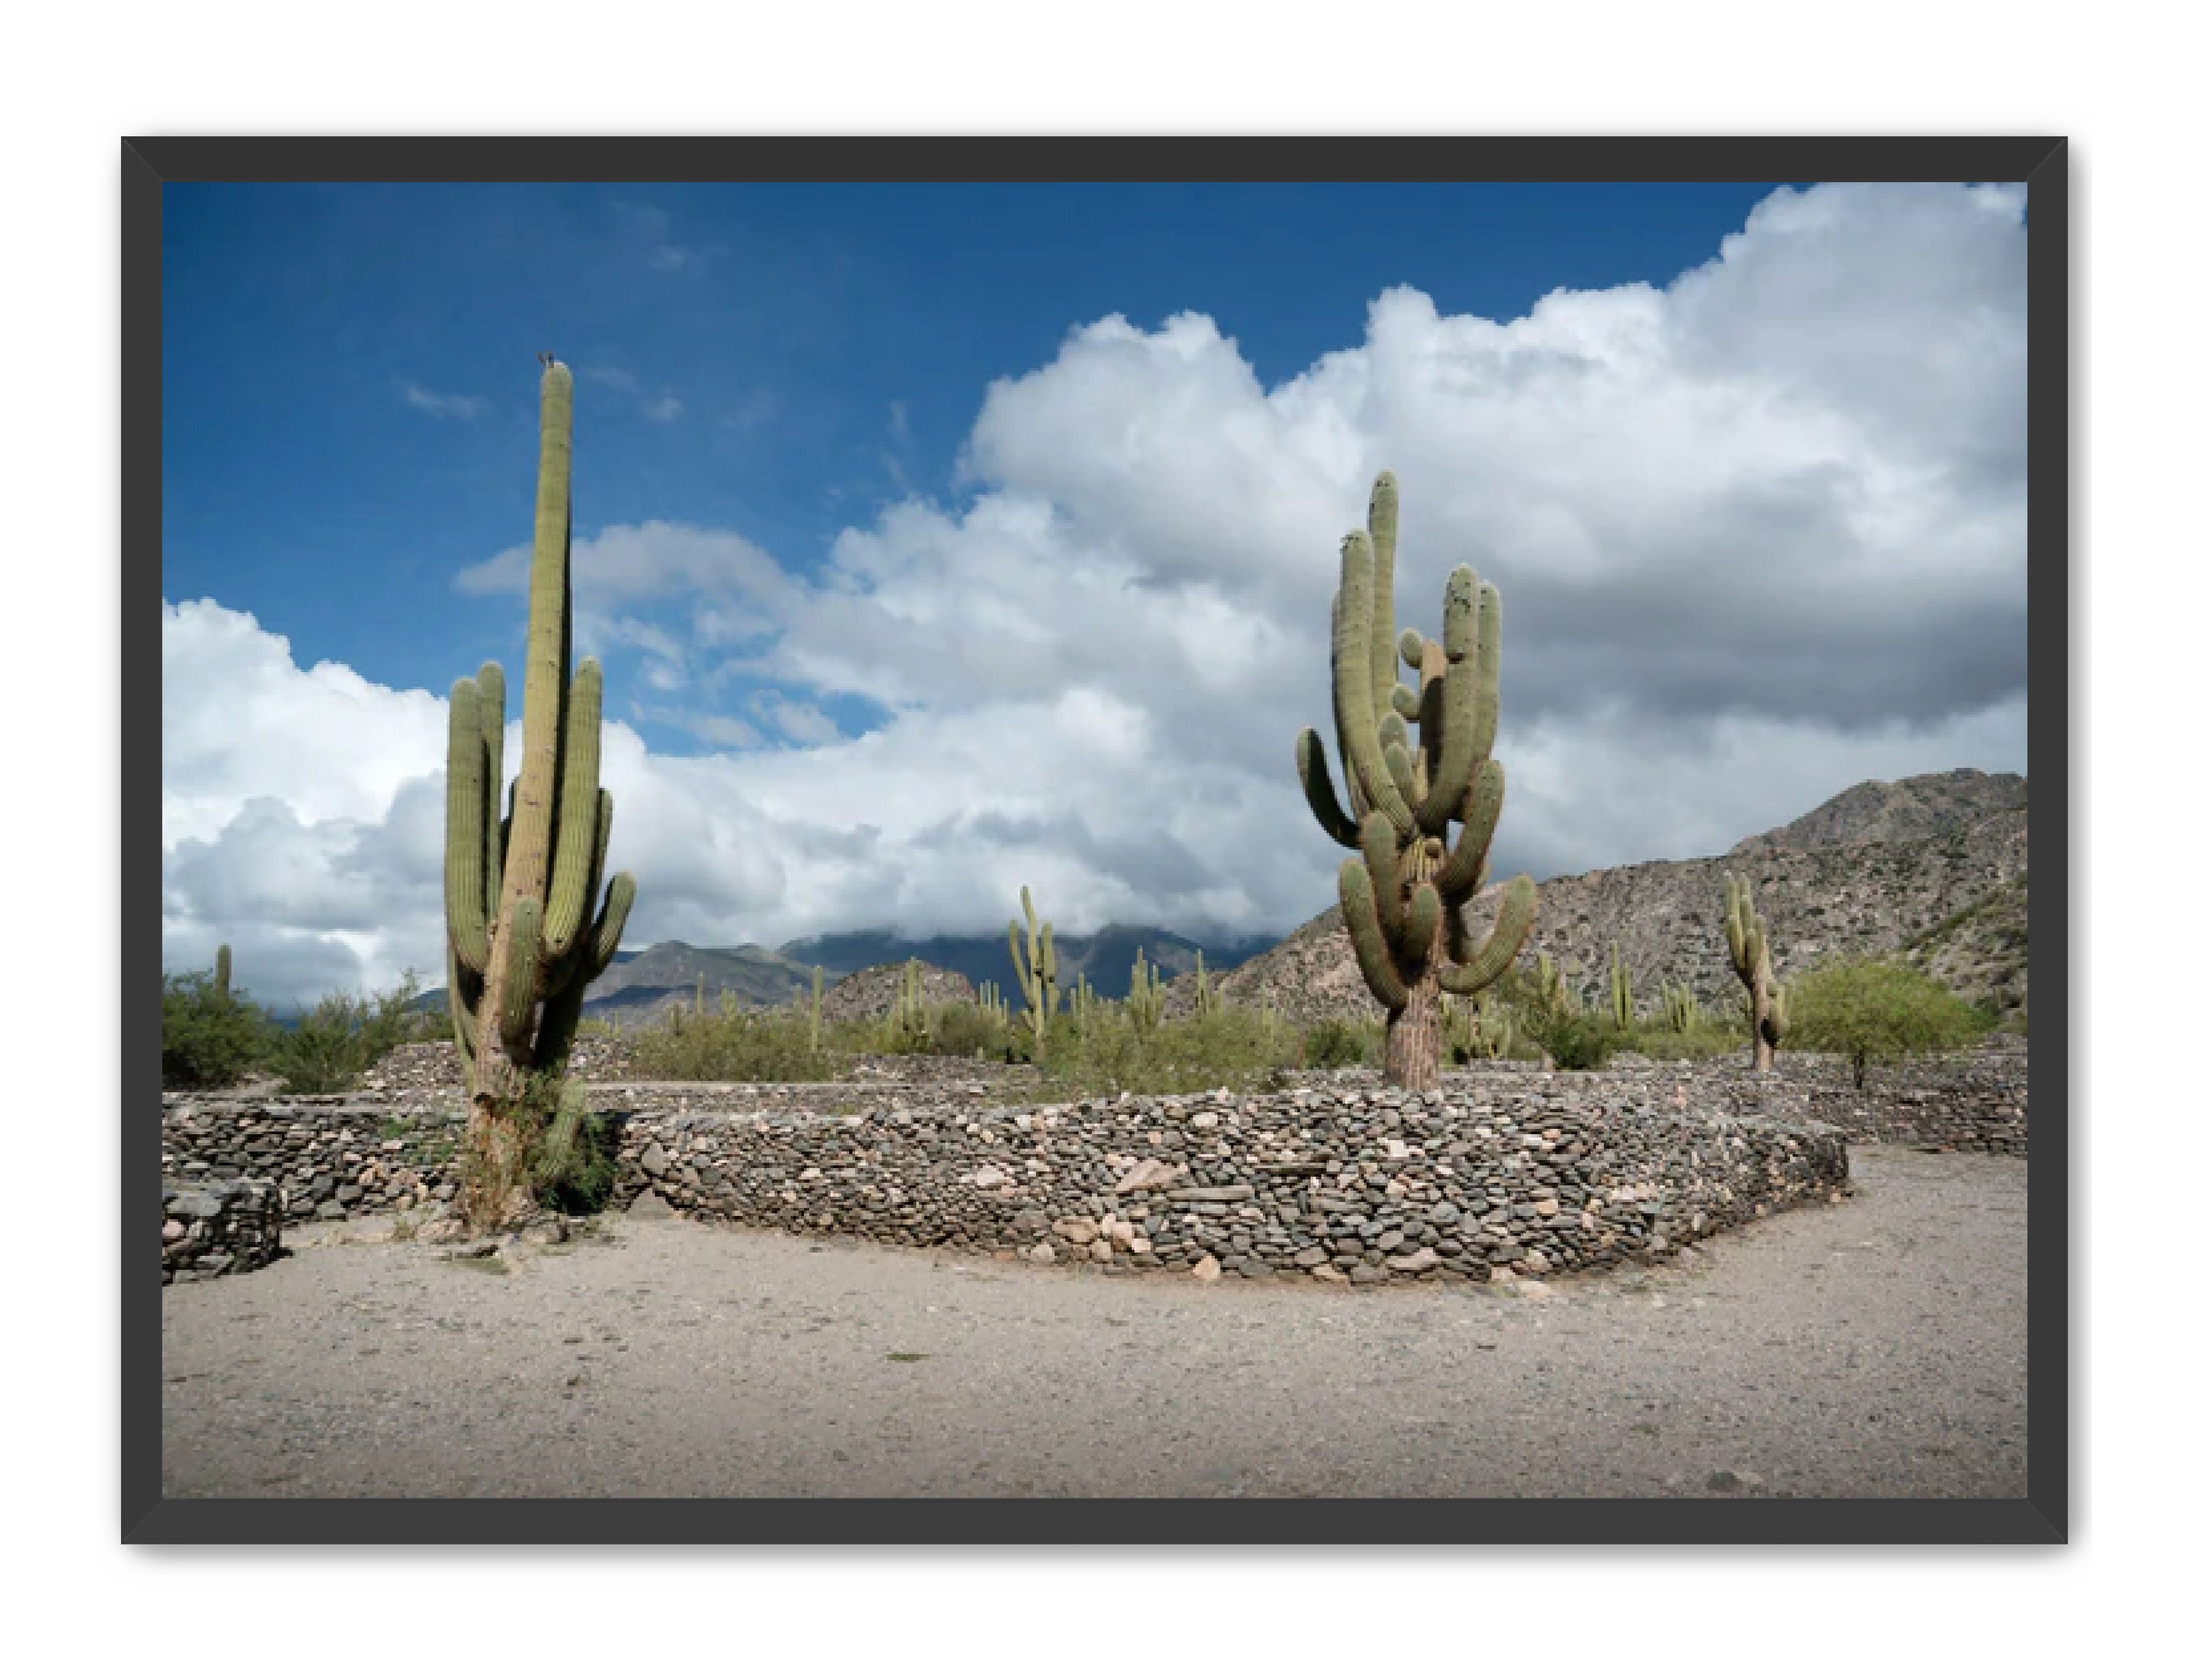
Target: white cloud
{"x":663,"y":408}
{"x":440,"y":401}
{"x":1760,"y":536}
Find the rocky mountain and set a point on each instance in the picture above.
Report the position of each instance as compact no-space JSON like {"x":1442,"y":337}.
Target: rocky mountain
{"x":1914,"y":809}
{"x":1104,"y":958}
{"x":1935,"y":867}
{"x":640,"y":985}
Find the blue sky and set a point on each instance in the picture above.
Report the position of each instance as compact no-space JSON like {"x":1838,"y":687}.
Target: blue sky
{"x":938,"y":540}
{"x":349,"y":391}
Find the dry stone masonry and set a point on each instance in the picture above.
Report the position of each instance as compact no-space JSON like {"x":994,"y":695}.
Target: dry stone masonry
{"x":211,"y":1229}
{"x":1503,"y":1172}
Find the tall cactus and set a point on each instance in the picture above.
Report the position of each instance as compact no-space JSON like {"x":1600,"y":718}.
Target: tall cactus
{"x":223,"y":967}
{"x":1749,"y":942}
{"x":1622,"y":994}
{"x":1403,"y":898}
{"x":1033,"y":956}
{"x":532,"y":919}
{"x":813,"y":1015}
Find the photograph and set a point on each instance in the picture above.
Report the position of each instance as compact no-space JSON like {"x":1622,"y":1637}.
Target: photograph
{"x":847,"y":845}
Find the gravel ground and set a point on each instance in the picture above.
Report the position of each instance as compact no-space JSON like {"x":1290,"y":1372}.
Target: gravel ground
{"x":1872,"y":1348}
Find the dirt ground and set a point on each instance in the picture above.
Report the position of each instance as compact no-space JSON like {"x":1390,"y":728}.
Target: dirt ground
{"x":1872,"y":1349}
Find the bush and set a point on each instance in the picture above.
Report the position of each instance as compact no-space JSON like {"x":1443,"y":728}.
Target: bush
{"x":207,"y":1039}
{"x":1343,"y":1043}
{"x":1102,"y":1050}
{"x":969,"y":1030}
{"x":341,"y":1037}
{"x":1877,"y":1012}
{"x":734,"y":1047}
{"x":1711,"y":1036}
{"x":1548,"y":1019}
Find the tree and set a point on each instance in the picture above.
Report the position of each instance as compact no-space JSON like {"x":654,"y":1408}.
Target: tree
{"x":209,"y":1036}
{"x":1878,"y":1012}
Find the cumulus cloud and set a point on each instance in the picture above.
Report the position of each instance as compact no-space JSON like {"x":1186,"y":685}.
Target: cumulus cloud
{"x":1760,"y":534}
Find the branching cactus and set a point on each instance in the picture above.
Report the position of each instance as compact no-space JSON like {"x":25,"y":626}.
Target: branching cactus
{"x":1403,"y":898}
{"x":1144,"y":1004}
{"x":1749,"y":941}
{"x":1622,"y":994}
{"x":532,"y":918}
{"x":1033,"y":955}
{"x":1676,"y":1004}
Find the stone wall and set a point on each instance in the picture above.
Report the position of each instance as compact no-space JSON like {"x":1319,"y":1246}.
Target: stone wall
{"x":1504,"y":1170}
{"x":217,"y":1227}
{"x":1362,"y":1186}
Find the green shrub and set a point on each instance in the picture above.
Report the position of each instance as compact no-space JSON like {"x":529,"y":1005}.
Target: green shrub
{"x":1101,"y":1049}
{"x":1343,"y":1043}
{"x":340,"y":1039}
{"x":1710,"y":1035}
{"x":1877,"y":1012}
{"x":969,"y":1030}
{"x":1544,"y":1014}
{"x":734,"y":1047}
{"x":208,"y":1038}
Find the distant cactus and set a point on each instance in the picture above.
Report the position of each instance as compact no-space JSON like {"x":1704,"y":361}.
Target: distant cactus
{"x":911,"y":1026}
{"x":1622,"y":994}
{"x":1476,"y":1030}
{"x":813,"y":1013}
{"x":1033,"y":956}
{"x":221,"y":970}
{"x":1204,"y":994}
{"x":1403,"y":898}
{"x":533,"y":918}
{"x":1749,"y":941}
{"x":1677,"y":1006}
{"x":1083,"y":997}
{"x":1144,"y":1004}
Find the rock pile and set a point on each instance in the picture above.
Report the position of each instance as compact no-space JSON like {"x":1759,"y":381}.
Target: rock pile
{"x":872,"y":993}
{"x":218,"y":1226}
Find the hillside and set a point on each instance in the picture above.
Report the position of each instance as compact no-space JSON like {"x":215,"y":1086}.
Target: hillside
{"x":1953,"y":895}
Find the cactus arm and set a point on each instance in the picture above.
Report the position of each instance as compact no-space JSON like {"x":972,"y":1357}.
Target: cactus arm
{"x":558,"y":1026}
{"x":522,"y":975}
{"x":1358,"y":722}
{"x":1384,"y":537}
{"x":1488,"y":640}
{"x":1321,"y":796}
{"x":1454,"y":721}
{"x":569,"y":900}
{"x":493,"y":726}
{"x":1379,"y":851}
{"x":608,"y":929}
{"x":1516,"y":915}
{"x":1417,"y":933}
{"x":465,"y":855}
{"x":1356,"y":899}
{"x":1470,"y":853}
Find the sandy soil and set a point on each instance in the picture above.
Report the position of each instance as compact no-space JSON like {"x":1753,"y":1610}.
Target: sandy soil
{"x":1875,"y":1348}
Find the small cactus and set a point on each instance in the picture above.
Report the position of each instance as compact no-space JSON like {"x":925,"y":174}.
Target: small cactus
{"x":1204,"y":994}
{"x":1676,"y":1004}
{"x":1143,"y":1005}
{"x":1622,"y":994}
{"x":221,"y":970}
{"x":1749,"y":942}
{"x":813,"y":1015}
{"x":1033,"y":956}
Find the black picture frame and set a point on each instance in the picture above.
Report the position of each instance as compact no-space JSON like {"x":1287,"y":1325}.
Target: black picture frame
{"x":2041,"y":163}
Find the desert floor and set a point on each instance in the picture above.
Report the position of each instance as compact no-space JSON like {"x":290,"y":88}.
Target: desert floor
{"x":1875,"y":1348}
